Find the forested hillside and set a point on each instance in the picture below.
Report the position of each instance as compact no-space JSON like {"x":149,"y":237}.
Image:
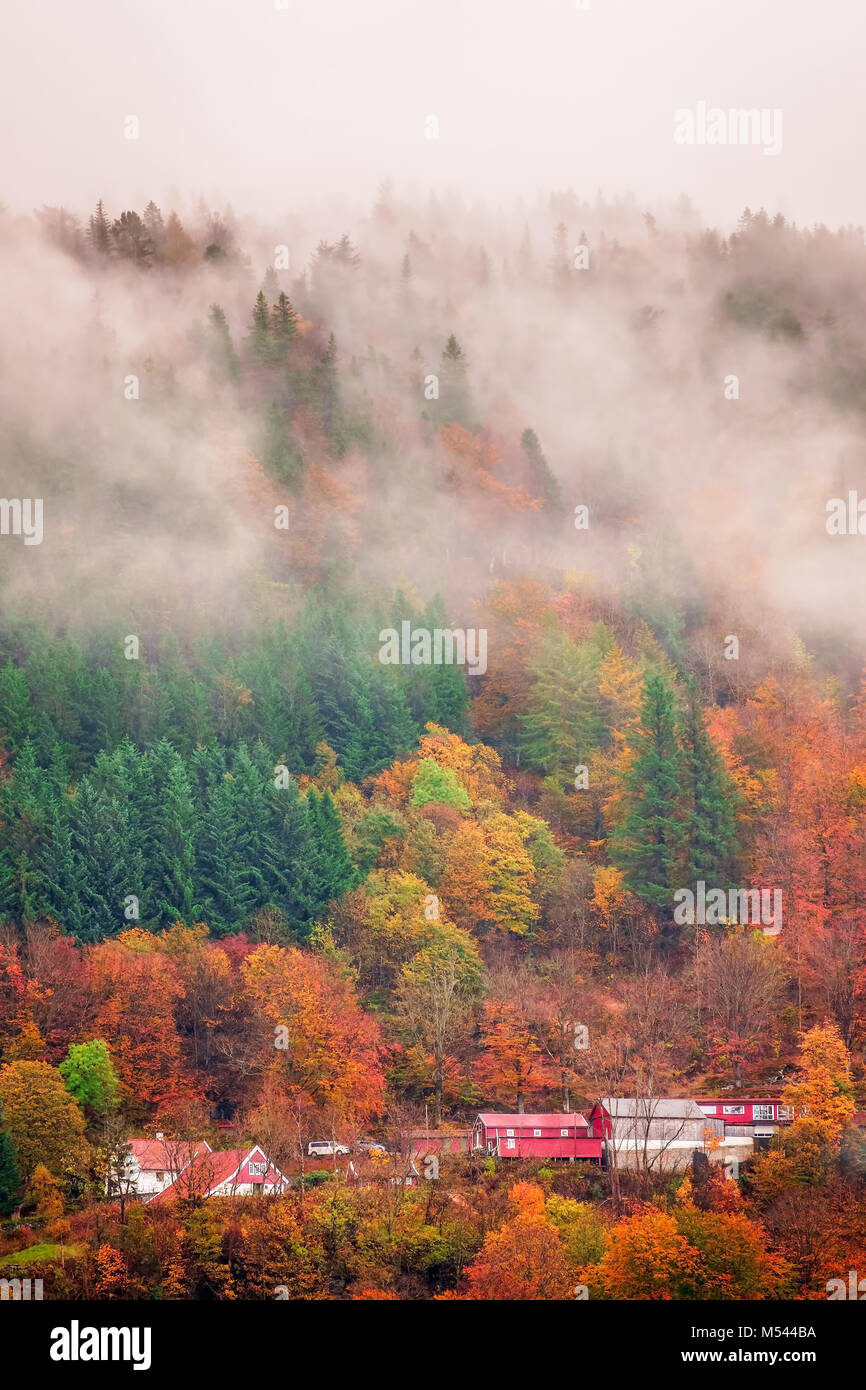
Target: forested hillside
{"x":606,"y":440}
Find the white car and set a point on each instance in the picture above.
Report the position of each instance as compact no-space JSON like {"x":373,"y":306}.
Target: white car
{"x":325,"y":1148}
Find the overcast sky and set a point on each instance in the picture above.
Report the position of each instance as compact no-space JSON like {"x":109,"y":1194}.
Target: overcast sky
{"x":240,"y":100}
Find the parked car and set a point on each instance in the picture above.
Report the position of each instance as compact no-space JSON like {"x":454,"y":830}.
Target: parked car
{"x":325,"y":1148}
{"x":372,"y":1146}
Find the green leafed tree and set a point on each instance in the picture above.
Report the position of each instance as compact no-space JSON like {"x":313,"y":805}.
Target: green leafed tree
{"x":435,"y":784}
{"x":88,"y":1071}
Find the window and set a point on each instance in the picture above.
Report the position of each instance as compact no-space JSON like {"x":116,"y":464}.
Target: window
{"x":763,"y":1112}
{"x":563,"y":1134}
{"x":509,"y":1131}
{"x":786,"y":1112}
{"x":709,"y":1109}
{"x":509,"y":1143}
{"x":258,"y":1170}
{"x":160,"y":1177}
{"x":536,"y":1134}
{"x":733,"y":1110}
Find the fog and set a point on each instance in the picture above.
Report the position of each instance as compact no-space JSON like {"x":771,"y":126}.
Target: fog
{"x":286,"y":127}
{"x":245,"y":102}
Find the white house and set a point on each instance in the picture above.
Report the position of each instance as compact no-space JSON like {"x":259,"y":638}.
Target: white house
{"x":154,"y":1164}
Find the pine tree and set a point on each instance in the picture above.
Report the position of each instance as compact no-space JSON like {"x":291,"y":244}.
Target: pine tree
{"x":454,"y":388}
{"x":646,"y":845}
{"x":155,"y":228}
{"x":271,"y":285}
{"x":326,"y":381}
{"x":223,"y":356}
{"x":560,"y":266}
{"x":279,"y":453}
{"x":229,"y":880}
{"x":131,"y":239}
{"x":259,"y":341}
{"x":171,"y":825}
{"x":710,"y":826}
{"x":284,"y":324}
{"x":11,"y":1182}
{"x":562,"y":723}
{"x":99,"y":232}
{"x":331,"y":857}
{"x":542,"y":482}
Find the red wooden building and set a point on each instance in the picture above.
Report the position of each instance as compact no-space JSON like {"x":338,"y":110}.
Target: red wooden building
{"x":759,"y":1118}
{"x":737,"y":1110}
{"x":536,"y":1136}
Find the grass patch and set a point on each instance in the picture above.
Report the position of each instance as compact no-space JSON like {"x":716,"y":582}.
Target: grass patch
{"x":39,"y":1254}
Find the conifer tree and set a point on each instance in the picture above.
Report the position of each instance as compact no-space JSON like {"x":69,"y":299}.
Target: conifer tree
{"x":284,"y":324}
{"x":454,"y":388}
{"x":710,"y":835}
{"x":223,"y":355}
{"x":11,"y":1182}
{"x":542,"y":482}
{"x":99,"y":232}
{"x":646,"y":845}
{"x":259,"y":341}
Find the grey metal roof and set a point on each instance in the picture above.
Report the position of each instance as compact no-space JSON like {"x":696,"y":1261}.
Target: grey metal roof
{"x":631,"y":1107}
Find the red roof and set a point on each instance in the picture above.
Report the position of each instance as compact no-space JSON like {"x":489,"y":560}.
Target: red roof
{"x":159,"y":1155}
{"x":211,"y":1170}
{"x":491,"y":1120}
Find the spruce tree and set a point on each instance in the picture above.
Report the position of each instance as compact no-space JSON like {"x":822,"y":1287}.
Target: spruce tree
{"x":11,"y":1182}
{"x":224,"y":359}
{"x":542,"y":482}
{"x":259,"y":341}
{"x":284,"y":324}
{"x":646,"y":845}
{"x":99,"y":232}
{"x":710,"y":833}
{"x":454,"y":387}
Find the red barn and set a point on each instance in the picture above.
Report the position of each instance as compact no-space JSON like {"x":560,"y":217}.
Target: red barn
{"x":536,"y":1136}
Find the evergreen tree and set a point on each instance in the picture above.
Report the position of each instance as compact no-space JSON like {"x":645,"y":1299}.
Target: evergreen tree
{"x":334,"y":871}
{"x":326,"y":382}
{"x":710,"y":825}
{"x":92,"y":864}
{"x":454,"y":388}
{"x":223,"y":356}
{"x":155,"y":228}
{"x":230,"y":845}
{"x":279,"y":453}
{"x":542,"y":482}
{"x":562,"y":723}
{"x":270,"y":285}
{"x":171,"y":825}
{"x":646,"y":845}
{"x":259,"y":341}
{"x":99,"y":232}
{"x":131,"y":239}
{"x":11,"y":1182}
{"x":284,"y":324}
